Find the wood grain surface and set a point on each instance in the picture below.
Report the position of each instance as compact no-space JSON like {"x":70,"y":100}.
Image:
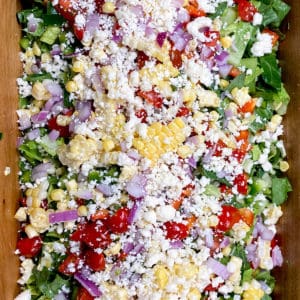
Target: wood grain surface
{"x":288,"y":277}
{"x":9,"y":69}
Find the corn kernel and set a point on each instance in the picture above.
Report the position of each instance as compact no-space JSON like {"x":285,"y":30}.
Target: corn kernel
{"x":36,"y":49}
{"x":187,"y":271}
{"x":253,"y":294}
{"x":62,"y":205}
{"x":71,"y":185}
{"x":77,"y":66}
{"x":69,"y":225}
{"x":184,"y":151}
{"x":29,"y":53}
{"x":179,"y":122}
{"x":274,"y":123}
{"x":226,"y":251}
{"x":226,"y":41}
{"x":30,"y":231}
{"x":108,"y":145}
{"x":28,"y":192}
{"x":58,"y":195}
{"x":36,"y":202}
{"x":161,"y":276}
{"x":194,"y":294}
{"x":39,"y":92}
{"x":21,"y":215}
{"x":284,"y":166}
{"x":82,"y":211}
{"x":63,"y":120}
{"x":45,"y":58}
{"x":108,"y":7}
{"x":114,"y":249}
{"x":71,"y":86}
{"x":39,"y":219}
{"x":224,"y":83}
{"x":189,"y":95}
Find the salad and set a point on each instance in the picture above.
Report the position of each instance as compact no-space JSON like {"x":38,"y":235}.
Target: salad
{"x":151,"y":160}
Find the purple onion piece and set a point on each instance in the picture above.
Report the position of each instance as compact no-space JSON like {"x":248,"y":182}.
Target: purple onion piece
{"x":183,"y":16}
{"x":53,"y":88}
{"x":60,"y":296}
{"x":133,"y":212}
{"x":105,"y":189}
{"x":224,"y":70}
{"x":92,"y":23}
{"x":209,"y":238}
{"x":128,"y":247}
{"x":133,"y":154}
{"x":33,"y":134}
{"x":63,"y":216}
{"x":139,"y":248}
{"x":55,"y":50}
{"x":53,"y":135}
{"x":35,"y":69}
{"x":218,"y":268}
{"x":89,"y":285}
{"x":192,"y":162}
{"x":84,"y":194}
{"x":136,"y":186}
{"x":176,"y":244}
{"x":32,"y":24}
{"x":20,"y":141}
{"x":42,"y":170}
{"x":277,"y":257}
{"x":85,"y":110}
{"x":40,"y":117}
{"x":225,"y":242}
{"x":177,"y":3}
{"x":161,"y":38}
{"x":221,"y":59}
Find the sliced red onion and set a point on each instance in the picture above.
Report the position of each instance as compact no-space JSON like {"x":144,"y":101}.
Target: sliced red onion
{"x":209,"y":238}
{"x":42,"y":170}
{"x":24,"y":120}
{"x":277,"y":257}
{"x":53,"y":88}
{"x":133,"y":212}
{"x":252,"y":255}
{"x":139,"y":248}
{"x":136,"y":186}
{"x":35,"y":69}
{"x":105,"y":189}
{"x":228,"y":113}
{"x":207,"y":157}
{"x":192,"y":162}
{"x":225,"y":242}
{"x":89,"y":285}
{"x":40,"y":117}
{"x":49,"y":104}
{"x":193,"y":140}
{"x":63,"y":216}
{"x":20,"y":141}
{"x":33,"y":134}
{"x":224,"y":70}
{"x":53,"y":135}
{"x":218,"y":268}
{"x":180,"y":37}
{"x":84,"y":194}
{"x":96,"y":81}
{"x":206,"y":52}
{"x":55,"y":50}
{"x":85,"y":110}
{"x":92,"y":23}
{"x":32,"y":24}
{"x":138,"y":11}
{"x":222,"y":58}
{"x":177,"y":3}
{"x":117,"y":38}
{"x":128,"y":247}
{"x":133,"y":154}
{"x":57,"y":107}
{"x":149,"y":31}
{"x":262,"y":231}
{"x":177,"y":244}
{"x":183,"y":16}
{"x":161,"y":38}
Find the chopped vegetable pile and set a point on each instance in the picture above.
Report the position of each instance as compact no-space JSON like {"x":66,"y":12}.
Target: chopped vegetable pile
{"x":151,"y":159}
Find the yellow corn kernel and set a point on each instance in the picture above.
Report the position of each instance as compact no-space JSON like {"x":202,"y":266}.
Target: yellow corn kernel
{"x":82,"y":211}
{"x":179,"y":122}
{"x":226,"y":41}
{"x":224,"y":83}
{"x":29,"y":53}
{"x":253,"y":294}
{"x":108,"y":7}
{"x":45,"y":58}
{"x":161,"y":276}
{"x":78,"y":66}
{"x":187,"y":271}
{"x":185,"y":3}
{"x":30,"y":231}
{"x":114,"y":249}
{"x":36,"y":49}
{"x":108,"y":145}
{"x":138,"y":144}
{"x":194,"y":294}
{"x":69,"y":225}
{"x":157,"y":127}
{"x":71,"y":185}
{"x":36,"y":202}
{"x":21,"y":215}
{"x":274,"y":123}
{"x":184,"y":151}
{"x":284,"y":166}
{"x":173,"y":127}
{"x":71,"y":86}
{"x":63,"y":120}
{"x":213,"y":221}
{"x":226,"y":251}
{"x":62,"y":205}
{"x":58,"y":195}
{"x":189,"y":95}
{"x":39,"y":219}
{"x":39,"y":92}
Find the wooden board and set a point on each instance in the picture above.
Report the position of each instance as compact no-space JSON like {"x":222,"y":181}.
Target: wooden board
{"x":288,"y":277}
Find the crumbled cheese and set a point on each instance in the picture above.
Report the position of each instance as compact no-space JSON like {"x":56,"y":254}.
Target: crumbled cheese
{"x":263,"y":45}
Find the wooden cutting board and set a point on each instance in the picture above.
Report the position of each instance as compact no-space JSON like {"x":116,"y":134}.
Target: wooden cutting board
{"x":288,"y":277}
